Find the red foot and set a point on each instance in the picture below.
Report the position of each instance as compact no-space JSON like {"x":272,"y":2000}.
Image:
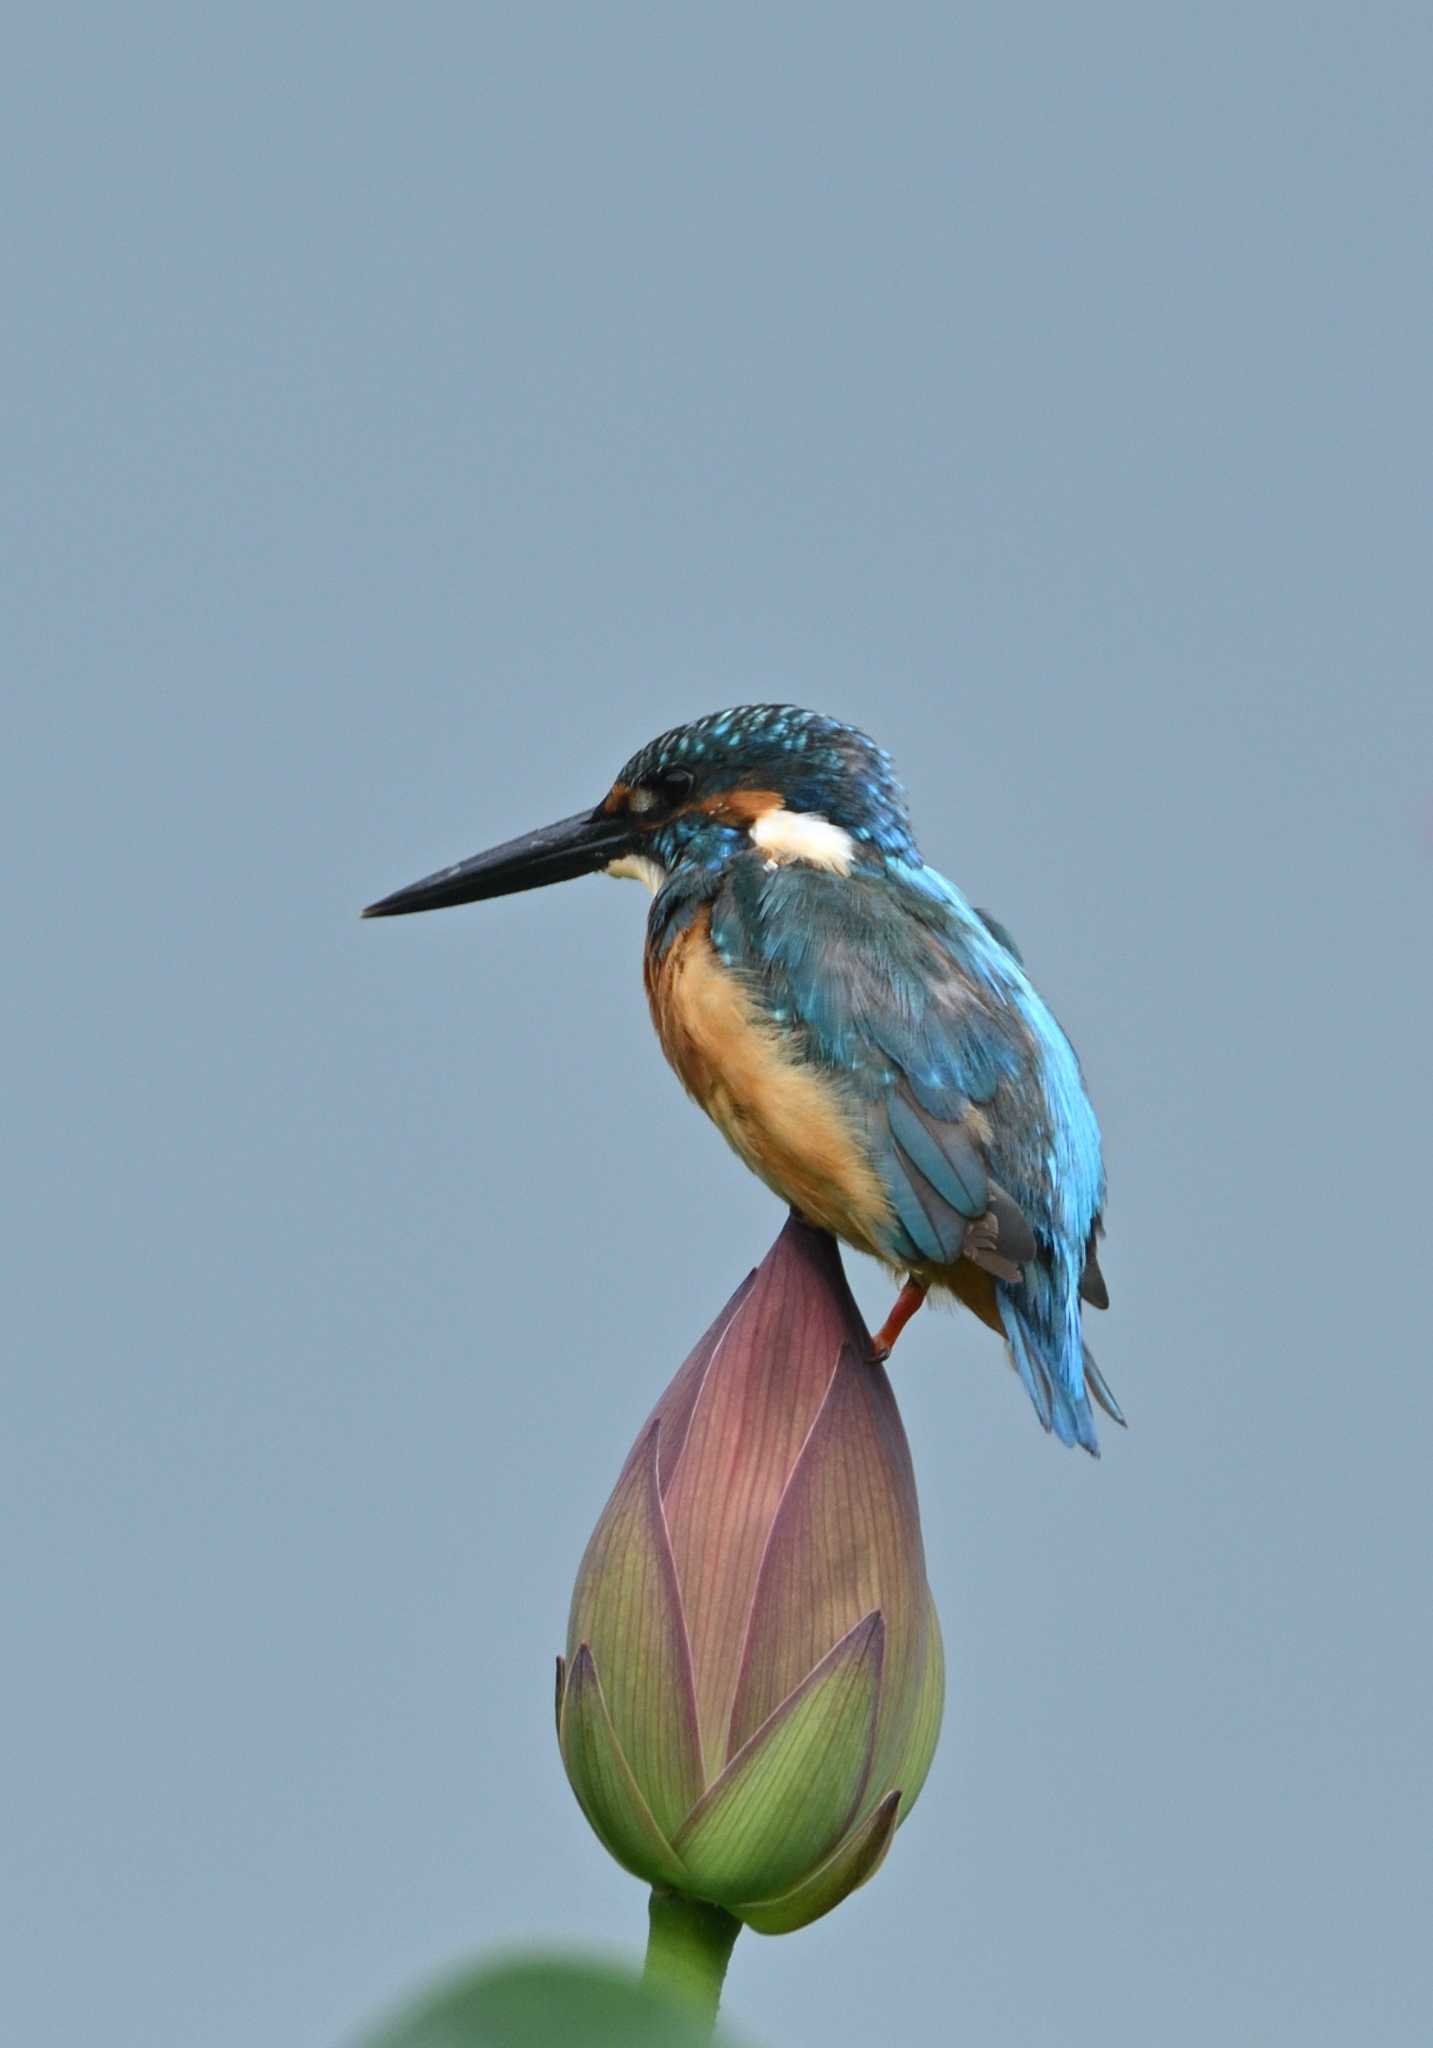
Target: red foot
{"x":907,"y":1302}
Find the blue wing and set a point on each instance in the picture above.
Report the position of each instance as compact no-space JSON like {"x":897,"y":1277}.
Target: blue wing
{"x":970,"y":1097}
{"x":880,"y":1000}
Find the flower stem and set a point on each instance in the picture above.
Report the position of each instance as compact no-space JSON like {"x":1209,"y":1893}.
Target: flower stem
{"x":688,"y":1948}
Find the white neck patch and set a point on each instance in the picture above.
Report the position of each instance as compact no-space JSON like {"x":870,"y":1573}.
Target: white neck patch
{"x":638,"y":867}
{"x":784,"y":835}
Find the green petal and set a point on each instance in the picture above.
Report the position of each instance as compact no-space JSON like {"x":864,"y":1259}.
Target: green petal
{"x":627,"y":1607}
{"x":786,"y":1798}
{"x":860,"y":1856}
{"x":846,"y":1539}
{"x":602,"y":1778}
{"x":913,"y":1764}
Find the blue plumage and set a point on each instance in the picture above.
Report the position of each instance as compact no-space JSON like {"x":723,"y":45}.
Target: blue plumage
{"x":920,"y":1007}
{"x":868,"y":1042}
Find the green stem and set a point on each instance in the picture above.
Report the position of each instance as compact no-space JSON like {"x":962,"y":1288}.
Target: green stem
{"x":688,"y":1948}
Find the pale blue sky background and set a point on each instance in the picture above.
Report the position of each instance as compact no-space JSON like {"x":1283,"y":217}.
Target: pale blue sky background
{"x":405,"y":414}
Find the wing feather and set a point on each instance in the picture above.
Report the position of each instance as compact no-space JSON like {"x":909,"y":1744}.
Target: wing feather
{"x":882,"y":1003}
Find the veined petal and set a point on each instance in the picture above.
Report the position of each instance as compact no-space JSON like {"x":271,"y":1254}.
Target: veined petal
{"x":674,"y":1411}
{"x":627,"y":1607}
{"x":860,"y":1856}
{"x":909,"y":1770}
{"x":768,"y":1376}
{"x":785,"y":1800}
{"x":845,"y":1539}
{"x":602,"y":1778}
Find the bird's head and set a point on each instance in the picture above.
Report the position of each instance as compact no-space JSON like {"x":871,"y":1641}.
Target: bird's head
{"x":794,"y":783}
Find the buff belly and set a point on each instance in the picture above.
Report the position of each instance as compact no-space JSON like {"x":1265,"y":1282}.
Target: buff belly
{"x":787,"y":1121}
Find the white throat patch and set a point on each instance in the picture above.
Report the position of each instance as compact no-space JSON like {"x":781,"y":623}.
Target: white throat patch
{"x":784,"y":835}
{"x":638,"y":867}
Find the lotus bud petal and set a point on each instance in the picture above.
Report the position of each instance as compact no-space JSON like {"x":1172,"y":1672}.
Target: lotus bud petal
{"x":753,"y":1683}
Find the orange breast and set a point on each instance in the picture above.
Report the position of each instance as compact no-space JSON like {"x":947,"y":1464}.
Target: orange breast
{"x":785,"y":1118}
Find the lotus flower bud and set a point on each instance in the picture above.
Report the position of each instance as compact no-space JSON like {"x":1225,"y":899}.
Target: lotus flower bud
{"x":753,"y":1682}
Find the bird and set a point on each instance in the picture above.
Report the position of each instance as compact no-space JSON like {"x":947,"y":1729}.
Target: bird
{"x":868,"y":1043}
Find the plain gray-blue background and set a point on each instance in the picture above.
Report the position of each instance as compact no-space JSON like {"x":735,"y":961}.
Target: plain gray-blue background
{"x":406,"y":414}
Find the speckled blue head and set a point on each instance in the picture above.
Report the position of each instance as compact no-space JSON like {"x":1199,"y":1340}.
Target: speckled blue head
{"x":813,"y":764}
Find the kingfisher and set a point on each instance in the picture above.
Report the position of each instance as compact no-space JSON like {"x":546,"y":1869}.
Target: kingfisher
{"x":865,"y":1040}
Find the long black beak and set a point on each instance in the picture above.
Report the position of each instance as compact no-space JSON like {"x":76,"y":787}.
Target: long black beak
{"x":576,"y":846}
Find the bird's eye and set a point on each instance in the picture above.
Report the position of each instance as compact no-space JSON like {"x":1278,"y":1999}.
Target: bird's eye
{"x":673,"y":784}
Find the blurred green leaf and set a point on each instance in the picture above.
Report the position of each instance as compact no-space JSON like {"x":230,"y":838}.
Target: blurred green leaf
{"x":546,"y":2002}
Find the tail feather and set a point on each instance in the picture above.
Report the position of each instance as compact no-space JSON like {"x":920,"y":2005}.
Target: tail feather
{"x":1099,"y":1387}
{"x":1031,"y":1368}
{"x":1062,"y":1407}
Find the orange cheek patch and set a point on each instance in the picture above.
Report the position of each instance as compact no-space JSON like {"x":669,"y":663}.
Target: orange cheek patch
{"x":617,"y":799}
{"x":741,"y":806}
